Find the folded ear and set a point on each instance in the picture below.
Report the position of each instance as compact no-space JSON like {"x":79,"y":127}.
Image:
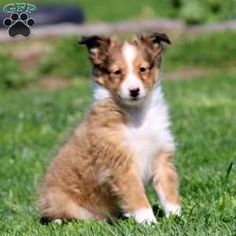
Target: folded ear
{"x":160,"y":37}
{"x":155,"y":39}
{"x":153,"y":45}
{"x":97,"y":46}
{"x":95,"y":41}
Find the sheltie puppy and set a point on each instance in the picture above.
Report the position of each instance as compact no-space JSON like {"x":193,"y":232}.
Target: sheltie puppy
{"x":124,"y":143}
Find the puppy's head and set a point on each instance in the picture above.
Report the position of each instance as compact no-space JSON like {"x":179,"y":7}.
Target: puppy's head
{"x":128,"y":70}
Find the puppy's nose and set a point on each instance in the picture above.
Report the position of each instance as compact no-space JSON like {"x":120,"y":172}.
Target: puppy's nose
{"x":134,"y":92}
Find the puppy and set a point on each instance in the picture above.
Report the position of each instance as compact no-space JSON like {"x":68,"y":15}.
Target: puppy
{"x":124,"y":144}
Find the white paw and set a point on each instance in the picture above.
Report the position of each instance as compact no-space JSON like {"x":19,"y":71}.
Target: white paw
{"x":57,"y":221}
{"x":144,"y":215}
{"x":172,"y":209}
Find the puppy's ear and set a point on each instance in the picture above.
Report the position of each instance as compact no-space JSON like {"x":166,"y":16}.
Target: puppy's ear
{"x":153,"y":45}
{"x":160,"y":37}
{"x":155,"y":39}
{"x":97,"y":47}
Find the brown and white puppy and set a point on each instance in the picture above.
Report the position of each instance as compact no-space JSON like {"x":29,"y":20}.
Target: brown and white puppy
{"x":124,"y":144}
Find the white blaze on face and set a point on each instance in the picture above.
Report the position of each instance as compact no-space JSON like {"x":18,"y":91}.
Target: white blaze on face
{"x":131,"y":81}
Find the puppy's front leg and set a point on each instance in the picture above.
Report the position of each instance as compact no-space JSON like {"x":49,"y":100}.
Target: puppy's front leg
{"x":129,"y":188}
{"x":165,"y":181}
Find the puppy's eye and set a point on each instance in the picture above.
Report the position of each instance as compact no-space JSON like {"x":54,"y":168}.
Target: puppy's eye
{"x":142,"y":69}
{"x":117,"y":72}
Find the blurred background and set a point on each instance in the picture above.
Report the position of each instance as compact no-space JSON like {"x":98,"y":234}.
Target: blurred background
{"x":51,"y":56}
{"x":45,"y":89}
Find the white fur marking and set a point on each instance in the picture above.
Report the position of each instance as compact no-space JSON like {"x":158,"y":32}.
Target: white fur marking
{"x":148,"y":132}
{"x":57,"y":221}
{"x":131,"y":81}
{"x":144,"y":215}
{"x":169,"y":208}
{"x":100,"y":93}
{"x":172,"y":209}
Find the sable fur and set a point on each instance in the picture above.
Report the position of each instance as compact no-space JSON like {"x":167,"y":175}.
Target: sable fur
{"x":97,"y":173}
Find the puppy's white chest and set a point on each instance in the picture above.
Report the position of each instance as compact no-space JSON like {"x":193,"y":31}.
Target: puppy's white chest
{"x":143,"y":143}
{"x":146,"y":139}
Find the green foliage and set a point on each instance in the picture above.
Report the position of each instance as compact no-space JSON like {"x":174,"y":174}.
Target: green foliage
{"x":199,"y":11}
{"x":203,"y":112}
{"x":222,"y":10}
{"x":193,"y":11}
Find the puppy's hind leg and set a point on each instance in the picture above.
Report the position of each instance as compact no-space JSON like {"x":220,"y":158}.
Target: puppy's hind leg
{"x":56,"y":206}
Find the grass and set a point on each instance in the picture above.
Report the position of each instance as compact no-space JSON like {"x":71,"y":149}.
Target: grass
{"x":210,"y":50}
{"x":34,"y":122}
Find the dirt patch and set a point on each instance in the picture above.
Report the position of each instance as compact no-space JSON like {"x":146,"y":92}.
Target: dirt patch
{"x":52,"y":83}
{"x":188,"y":73}
{"x":29,"y":55}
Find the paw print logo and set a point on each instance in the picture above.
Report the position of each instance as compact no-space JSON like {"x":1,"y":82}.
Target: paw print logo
{"x":19,"y":24}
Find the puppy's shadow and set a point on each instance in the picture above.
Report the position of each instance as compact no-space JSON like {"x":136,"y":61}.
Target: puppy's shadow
{"x":158,"y":212}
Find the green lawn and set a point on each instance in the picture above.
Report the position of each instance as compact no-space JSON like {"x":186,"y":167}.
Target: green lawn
{"x":34,"y":122}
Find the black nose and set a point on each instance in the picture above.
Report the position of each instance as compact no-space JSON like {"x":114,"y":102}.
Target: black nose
{"x":134,"y":92}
